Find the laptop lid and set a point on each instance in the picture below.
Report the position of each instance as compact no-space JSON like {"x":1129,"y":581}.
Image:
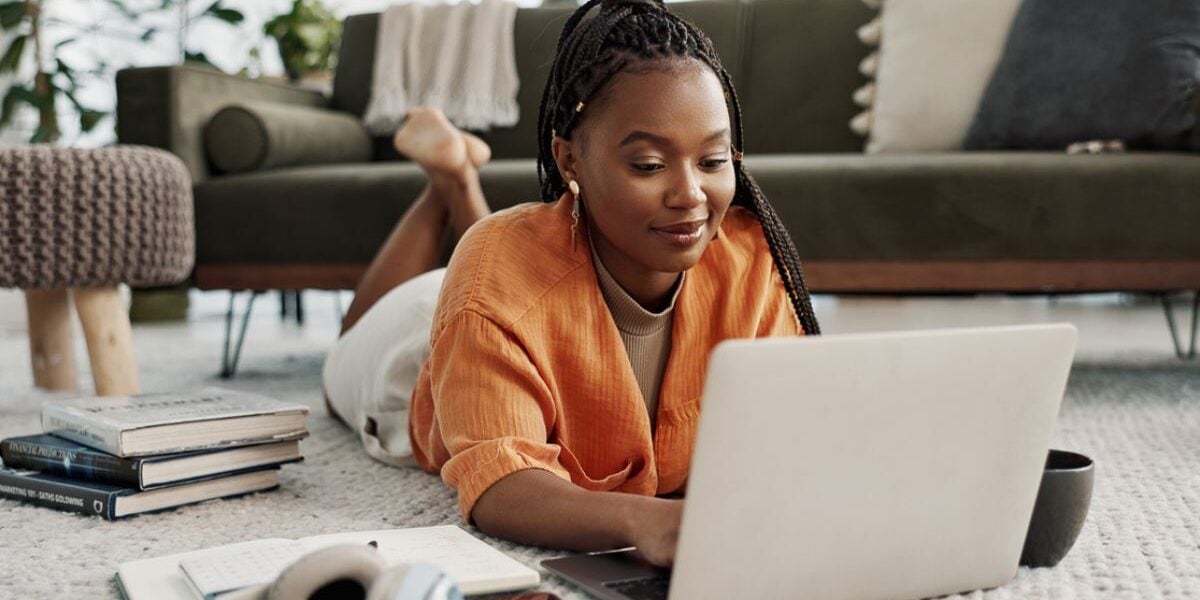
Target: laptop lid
{"x":895,"y":465}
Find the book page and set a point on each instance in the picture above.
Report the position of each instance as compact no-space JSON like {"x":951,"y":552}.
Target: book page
{"x":477,"y":567}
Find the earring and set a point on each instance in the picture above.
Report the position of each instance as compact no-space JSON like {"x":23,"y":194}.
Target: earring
{"x":574,"y":187}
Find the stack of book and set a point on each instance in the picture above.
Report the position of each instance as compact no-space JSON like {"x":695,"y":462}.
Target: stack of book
{"x":125,"y":455}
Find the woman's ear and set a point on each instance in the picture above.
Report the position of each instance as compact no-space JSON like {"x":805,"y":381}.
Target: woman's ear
{"x":566,"y":157}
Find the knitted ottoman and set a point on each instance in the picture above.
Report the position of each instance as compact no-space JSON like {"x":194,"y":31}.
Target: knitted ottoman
{"x":73,"y":225}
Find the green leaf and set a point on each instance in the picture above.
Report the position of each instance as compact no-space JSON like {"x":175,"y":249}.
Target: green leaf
{"x":229,"y":15}
{"x":12,"y":57}
{"x":124,"y":9}
{"x":88,"y":119}
{"x":11,"y":14}
{"x":66,"y":71}
{"x":198,"y":58}
{"x":43,"y":134}
{"x":8,"y":106}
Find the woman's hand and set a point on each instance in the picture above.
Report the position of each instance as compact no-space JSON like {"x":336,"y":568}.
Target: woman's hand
{"x":655,"y":531}
{"x":539,"y":508}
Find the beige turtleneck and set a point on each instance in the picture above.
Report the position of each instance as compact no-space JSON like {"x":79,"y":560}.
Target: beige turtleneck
{"x":647,"y":335}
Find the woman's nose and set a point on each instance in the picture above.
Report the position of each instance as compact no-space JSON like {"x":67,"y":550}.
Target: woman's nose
{"x":687,"y":191}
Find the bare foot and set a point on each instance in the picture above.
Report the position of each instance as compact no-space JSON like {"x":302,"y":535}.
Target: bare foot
{"x":431,"y":141}
{"x":477,"y":150}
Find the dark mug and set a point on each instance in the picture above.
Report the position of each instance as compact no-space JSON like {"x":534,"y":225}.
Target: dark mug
{"x":1060,"y":509}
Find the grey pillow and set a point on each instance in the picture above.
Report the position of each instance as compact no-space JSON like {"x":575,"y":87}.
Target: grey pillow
{"x":1076,"y":70}
{"x":250,"y":136}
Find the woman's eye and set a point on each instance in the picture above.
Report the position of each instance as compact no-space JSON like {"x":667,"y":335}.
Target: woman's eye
{"x":716,"y":163}
{"x":647,"y":167}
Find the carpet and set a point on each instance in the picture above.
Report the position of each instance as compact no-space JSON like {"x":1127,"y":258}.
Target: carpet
{"x":1138,"y":418}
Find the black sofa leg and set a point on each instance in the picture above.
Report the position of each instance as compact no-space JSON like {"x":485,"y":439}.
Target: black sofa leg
{"x":1175,"y":333}
{"x":229,"y":364}
{"x":299,"y":296}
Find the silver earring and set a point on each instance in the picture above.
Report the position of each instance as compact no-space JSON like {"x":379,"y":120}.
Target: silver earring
{"x":574,"y":187}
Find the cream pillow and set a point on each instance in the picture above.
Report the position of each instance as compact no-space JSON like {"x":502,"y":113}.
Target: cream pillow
{"x":934,"y":61}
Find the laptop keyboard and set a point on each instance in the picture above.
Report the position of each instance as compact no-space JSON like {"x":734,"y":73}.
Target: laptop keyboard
{"x":649,"y":588}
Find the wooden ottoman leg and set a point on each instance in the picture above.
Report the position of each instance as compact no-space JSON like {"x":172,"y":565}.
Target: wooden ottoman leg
{"x":50,"y":345}
{"x":109,"y":340}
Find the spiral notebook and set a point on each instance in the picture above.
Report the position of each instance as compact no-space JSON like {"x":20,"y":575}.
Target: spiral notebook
{"x":477,"y":567}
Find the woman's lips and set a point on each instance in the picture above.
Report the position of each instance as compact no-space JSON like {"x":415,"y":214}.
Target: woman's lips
{"x":683,"y":235}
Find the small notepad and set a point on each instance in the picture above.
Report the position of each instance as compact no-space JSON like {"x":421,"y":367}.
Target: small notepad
{"x":477,"y":567}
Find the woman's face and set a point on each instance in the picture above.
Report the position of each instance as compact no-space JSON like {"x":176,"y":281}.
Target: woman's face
{"x":653,"y":159}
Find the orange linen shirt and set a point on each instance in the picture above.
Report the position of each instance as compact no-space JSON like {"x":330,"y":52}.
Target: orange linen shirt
{"x":528,"y":371}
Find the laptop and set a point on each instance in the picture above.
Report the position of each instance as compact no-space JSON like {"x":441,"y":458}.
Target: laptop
{"x":858,"y":466}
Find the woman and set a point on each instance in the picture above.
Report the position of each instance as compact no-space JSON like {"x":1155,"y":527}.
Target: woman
{"x":556,"y":384}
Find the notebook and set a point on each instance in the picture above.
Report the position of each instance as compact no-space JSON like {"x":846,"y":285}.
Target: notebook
{"x":477,"y":567}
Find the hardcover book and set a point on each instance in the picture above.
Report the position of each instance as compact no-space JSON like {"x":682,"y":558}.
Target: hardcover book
{"x":113,"y":502}
{"x":174,"y":422}
{"x":58,"y":456}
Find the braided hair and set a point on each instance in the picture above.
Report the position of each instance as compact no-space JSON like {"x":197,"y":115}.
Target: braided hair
{"x":626,"y":34}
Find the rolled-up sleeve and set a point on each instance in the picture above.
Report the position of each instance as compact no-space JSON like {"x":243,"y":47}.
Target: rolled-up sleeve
{"x":494,"y":408}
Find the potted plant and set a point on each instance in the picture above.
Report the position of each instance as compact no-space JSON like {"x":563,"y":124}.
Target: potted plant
{"x":307,"y":37}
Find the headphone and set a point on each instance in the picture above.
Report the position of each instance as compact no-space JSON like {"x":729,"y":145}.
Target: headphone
{"x":357,"y":572}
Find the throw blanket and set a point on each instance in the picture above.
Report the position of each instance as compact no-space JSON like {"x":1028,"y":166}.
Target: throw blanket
{"x":458,"y":58}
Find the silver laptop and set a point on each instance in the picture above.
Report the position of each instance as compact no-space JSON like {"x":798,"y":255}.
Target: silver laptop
{"x":861,"y":466}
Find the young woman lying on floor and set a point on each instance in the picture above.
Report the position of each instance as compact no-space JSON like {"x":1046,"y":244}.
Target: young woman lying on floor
{"x":553,"y":372}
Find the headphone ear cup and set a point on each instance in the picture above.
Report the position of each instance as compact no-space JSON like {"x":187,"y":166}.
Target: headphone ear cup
{"x":415,"y":582}
{"x":345,"y":571}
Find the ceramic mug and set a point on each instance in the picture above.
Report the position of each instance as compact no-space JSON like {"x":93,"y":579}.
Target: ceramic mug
{"x":1060,"y":510}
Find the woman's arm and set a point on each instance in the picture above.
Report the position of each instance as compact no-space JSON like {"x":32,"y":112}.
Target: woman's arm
{"x":536,"y":507}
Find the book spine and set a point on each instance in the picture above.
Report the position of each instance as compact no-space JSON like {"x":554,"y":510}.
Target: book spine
{"x":57,"y":495}
{"x":78,"y":427}
{"x":77,"y":464}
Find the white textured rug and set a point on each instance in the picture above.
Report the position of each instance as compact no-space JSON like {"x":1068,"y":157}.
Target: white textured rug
{"x":1138,"y":417}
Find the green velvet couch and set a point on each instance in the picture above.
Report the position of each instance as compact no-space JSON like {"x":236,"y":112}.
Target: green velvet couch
{"x":951,"y":222}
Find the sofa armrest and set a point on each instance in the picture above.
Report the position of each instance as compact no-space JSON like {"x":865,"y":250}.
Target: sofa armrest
{"x":168,"y":107}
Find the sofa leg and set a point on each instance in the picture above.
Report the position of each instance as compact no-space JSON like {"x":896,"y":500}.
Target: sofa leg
{"x":109,"y":340}
{"x":1175,"y":334}
{"x":229,"y":360}
{"x":299,"y":296}
{"x":50,"y":347}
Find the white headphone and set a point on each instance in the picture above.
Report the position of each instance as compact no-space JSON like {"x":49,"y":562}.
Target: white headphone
{"x":357,"y":572}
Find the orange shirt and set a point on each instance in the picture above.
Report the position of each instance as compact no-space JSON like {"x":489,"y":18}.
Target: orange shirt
{"x":528,"y":371}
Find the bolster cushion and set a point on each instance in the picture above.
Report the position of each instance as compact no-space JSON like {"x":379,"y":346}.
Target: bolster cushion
{"x":252,"y":136}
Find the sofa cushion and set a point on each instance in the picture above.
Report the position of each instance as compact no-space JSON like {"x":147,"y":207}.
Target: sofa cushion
{"x":935,"y":59}
{"x":1078,"y":70}
{"x":325,"y":214}
{"x":1003,"y":206}
{"x":248,"y":136}
{"x":798,"y":74}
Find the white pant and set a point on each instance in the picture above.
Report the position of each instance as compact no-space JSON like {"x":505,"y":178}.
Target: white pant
{"x":370,"y":374}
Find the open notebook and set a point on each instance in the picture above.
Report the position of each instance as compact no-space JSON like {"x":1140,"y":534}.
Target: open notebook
{"x":477,"y":567}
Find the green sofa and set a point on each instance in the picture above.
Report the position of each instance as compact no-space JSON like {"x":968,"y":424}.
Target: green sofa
{"x":916,"y":223}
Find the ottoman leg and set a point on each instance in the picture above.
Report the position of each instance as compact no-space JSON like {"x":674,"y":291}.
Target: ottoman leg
{"x":50,"y":345}
{"x":109,"y":340}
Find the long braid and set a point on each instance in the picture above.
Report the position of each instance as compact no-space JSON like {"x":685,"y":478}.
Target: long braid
{"x":624,"y":33}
